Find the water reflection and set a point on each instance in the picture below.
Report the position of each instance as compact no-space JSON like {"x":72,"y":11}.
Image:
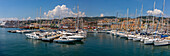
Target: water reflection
{"x":162,"y":47}
{"x":72,"y":43}
{"x":34,"y":42}
{"x":79,"y":42}
{"x":46,"y":44}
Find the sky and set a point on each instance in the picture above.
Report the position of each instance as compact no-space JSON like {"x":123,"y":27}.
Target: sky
{"x":30,"y":9}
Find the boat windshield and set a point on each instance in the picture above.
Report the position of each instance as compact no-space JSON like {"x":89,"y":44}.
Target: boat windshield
{"x":63,"y":38}
{"x":68,"y":35}
{"x":38,"y":34}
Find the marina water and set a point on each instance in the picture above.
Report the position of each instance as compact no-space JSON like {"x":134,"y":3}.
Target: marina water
{"x":96,"y":44}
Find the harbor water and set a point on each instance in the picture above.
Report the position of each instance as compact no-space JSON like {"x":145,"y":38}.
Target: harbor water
{"x":96,"y":44}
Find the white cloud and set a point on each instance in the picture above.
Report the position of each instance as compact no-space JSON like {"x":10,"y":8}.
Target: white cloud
{"x":62,"y":11}
{"x":101,"y":15}
{"x":28,"y":18}
{"x":154,"y":12}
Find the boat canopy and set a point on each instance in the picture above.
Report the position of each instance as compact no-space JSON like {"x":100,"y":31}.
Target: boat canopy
{"x":163,"y":36}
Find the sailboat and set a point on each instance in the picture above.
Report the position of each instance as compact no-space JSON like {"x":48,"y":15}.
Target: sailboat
{"x":138,"y":37}
{"x":125,"y":34}
{"x":162,"y":41}
{"x":132,"y":36}
{"x":151,"y":40}
{"x":79,"y":35}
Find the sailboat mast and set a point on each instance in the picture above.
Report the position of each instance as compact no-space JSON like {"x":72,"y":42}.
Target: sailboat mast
{"x":163,"y":15}
{"x":168,"y":26}
{"x":136,"y":18}
{"x":153,"y":15}
{"x":40,"y":12}
{"x":77,"y":17}
{"x":40,"y":15}
{"x":127,"y":18}
{"x":117,"y":20}
{"x":121,"y":22}
{"x":59,"y":19}
{"x":37,"y":16}
{"x":141,"y":17}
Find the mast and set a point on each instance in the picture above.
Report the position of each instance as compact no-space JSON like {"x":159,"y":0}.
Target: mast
{"x":147,"y":24}
{"x":117,"y":23}
{"x":153,"y":15}
{"x":121,"y":22}
{"x":136,"y":18}
{"x":77,"y":17}
{"x":59,"y":19}
{"x":141,"y":17}
{"x":40,"y":15}
{"x":168,"y":26}
{"x":40,"y":12}
{"x":37,"y":16}
{"x":117,"y":20}
{"x":82,"y":23}
{"x":163,"y":15}
{"x":127,"y":18}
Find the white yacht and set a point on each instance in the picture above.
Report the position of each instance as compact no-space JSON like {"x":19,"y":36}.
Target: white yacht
{"x":143,"y":39}
{"x":64,"y":39}
{"x":49,"y":37}
{"x":150,"y":41}
{"x":130,"y":37}
{"x":78,"y":37}
{"x":123,"y":35}
{"x":165,"y":41}
{"x":35,"y":35}
{"x":160,"y":43}
{"x":137,"y":37}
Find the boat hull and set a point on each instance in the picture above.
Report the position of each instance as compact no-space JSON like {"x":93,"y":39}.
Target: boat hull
{"x":146,"y":42}
{"x":64,"y":41}
{"x":161,"y":43}
{"x":130,"y":38}
{"x":136,"y":39}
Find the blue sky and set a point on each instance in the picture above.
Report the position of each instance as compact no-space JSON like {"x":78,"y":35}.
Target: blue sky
{"x":28,"y":8}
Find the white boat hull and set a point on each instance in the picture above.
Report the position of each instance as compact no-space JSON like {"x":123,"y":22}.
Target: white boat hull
{"x":136,"y":39}
{"x":148,"y":42}
{"x":76,"y":37}
{"x":32,"y":36}
{"x":48,"y":38}
{"x":160,"y":43}
{"x":130,"y":38}
{"x":64,"y":41}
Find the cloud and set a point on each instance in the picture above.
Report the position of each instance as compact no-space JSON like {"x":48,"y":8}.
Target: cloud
{"x":101,"y":15}
{"x":28,"y":18}
{"x":154,"y":12}
{"x":62,"y":11}
{"x":4,"y":19}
